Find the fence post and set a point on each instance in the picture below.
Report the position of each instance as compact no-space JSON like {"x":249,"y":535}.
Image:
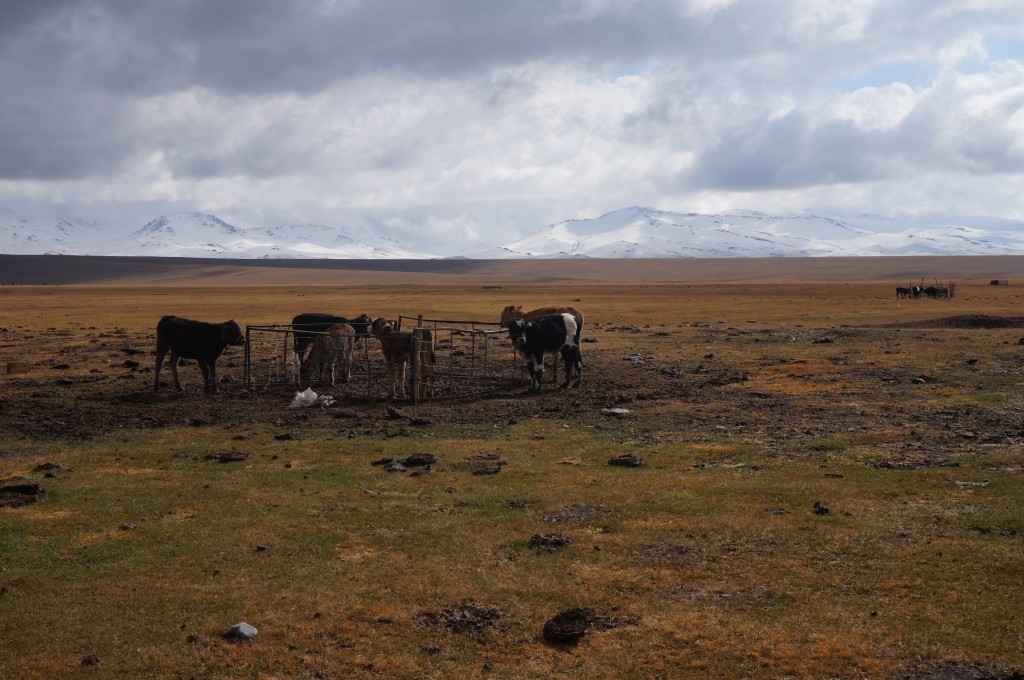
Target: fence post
{"x":247,"y":373}
{"x":414,"y":341}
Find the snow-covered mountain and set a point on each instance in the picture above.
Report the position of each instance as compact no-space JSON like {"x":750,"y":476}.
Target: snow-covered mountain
{"x":192,"y":234}
{"x":32,"y":235}
{"x":627,"y":233}
{"x":645,"y":232}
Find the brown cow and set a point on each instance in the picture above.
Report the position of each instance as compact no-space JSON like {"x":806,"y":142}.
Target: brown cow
{"x":397,"y":348}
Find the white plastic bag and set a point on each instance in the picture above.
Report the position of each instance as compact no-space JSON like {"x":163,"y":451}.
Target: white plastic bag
{"x":308,"y":398}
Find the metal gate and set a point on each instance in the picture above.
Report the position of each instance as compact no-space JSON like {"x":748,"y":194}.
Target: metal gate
{"x":473,"y":358}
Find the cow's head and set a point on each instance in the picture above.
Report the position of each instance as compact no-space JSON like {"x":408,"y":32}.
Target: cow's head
{"x":517,"y":333}
{"x":511,"y":313}
{"x":381,"y":326}
{"x":231,"y":333}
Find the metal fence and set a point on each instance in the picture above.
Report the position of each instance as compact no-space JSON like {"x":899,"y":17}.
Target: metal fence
{"x":472,"y":358}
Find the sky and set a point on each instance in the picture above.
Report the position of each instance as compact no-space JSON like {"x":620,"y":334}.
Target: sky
{"x":468,"y":122}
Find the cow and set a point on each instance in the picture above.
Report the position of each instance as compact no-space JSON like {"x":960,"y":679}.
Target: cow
{"x":306,"y":326}
{"x":902,"y":292}
{"x":513,"y":312}
{"x":396,"y":347}
{"x":187,"y":339}
{"x":551,"y":333}
{"x":337,"y":343}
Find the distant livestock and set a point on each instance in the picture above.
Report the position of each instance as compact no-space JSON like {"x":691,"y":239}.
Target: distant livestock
{"x":306,"y":326}
{"x":513,"y":312}
{"x":186,"y":339}
{"x":551,"y":333}
{"x":336,"y":345}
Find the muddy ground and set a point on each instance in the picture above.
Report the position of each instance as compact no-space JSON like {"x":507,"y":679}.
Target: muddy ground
{"x":765,"y":386}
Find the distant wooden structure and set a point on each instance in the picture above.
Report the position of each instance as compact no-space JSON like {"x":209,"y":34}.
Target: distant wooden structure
{"x":16,"y":367}
{"x":998,"y":282}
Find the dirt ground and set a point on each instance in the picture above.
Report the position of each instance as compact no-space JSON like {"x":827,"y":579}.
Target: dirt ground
{"x":103,"y":383}
{"x":843,"y":380}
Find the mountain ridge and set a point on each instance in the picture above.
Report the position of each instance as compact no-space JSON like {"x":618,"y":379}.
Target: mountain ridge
{"x":631,"y":232}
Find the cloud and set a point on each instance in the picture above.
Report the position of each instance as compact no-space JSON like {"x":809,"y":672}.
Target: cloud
{"x":433,"y":113}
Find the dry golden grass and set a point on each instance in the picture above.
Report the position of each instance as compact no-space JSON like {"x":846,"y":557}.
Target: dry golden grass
{"x":710,"y":558}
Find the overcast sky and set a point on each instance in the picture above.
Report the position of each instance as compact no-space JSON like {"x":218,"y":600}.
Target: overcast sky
{"x":469,"y":121}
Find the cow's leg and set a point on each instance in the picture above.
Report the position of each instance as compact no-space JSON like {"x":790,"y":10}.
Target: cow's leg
{"x":204,"y":368}
{"x":161,"y":352}
{"x":567,"y":357}
{"x":391,"y":380}
{"x":213,"y":376}
{"x":537,"y":373}
{"x":174,"y":369}
{"x":401,"y":379}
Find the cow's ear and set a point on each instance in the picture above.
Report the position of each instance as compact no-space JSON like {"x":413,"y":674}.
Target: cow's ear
{"x":519,"y":307}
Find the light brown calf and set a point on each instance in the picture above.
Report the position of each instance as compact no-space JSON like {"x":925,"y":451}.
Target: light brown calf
{"x":337,"y":343}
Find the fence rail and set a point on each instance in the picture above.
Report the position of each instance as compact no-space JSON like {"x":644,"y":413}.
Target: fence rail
{"x":472,"y":358}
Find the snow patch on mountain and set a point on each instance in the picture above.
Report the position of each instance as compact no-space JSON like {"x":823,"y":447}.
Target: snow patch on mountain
{"x":646,"y":232}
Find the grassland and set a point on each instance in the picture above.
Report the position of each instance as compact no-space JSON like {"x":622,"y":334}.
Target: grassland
{"x":749,"y":402}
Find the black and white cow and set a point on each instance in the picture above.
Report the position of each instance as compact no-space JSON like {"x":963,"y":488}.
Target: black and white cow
{"x":552,"y":333}
{"x":187,"y":339}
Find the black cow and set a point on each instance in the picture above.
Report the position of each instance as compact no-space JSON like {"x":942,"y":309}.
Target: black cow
{"x":198,"y":340}
{"x":306,"y":326}
{"x":552,"y":333}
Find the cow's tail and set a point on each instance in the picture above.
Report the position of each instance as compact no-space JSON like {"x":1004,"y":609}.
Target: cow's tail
{"x":579,"y":332}
{"x":285,"y":353}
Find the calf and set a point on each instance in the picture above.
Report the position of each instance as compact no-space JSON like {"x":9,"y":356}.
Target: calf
{"x":397,"y":350}
{"x":187,"y":339}
{"x":306,"y":326}
{"x":395,"y":347}
{"x":552,"y":333}
{"x":338,"y":342}
{"x":513,"y":312}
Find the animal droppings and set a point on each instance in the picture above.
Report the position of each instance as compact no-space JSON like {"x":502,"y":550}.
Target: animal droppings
{"x":568,"y":626}
{"x":549,"y":542}
{"x":627,"y":460}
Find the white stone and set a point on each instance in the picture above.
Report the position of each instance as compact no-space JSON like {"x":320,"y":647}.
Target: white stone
{"x":242,"y":631}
